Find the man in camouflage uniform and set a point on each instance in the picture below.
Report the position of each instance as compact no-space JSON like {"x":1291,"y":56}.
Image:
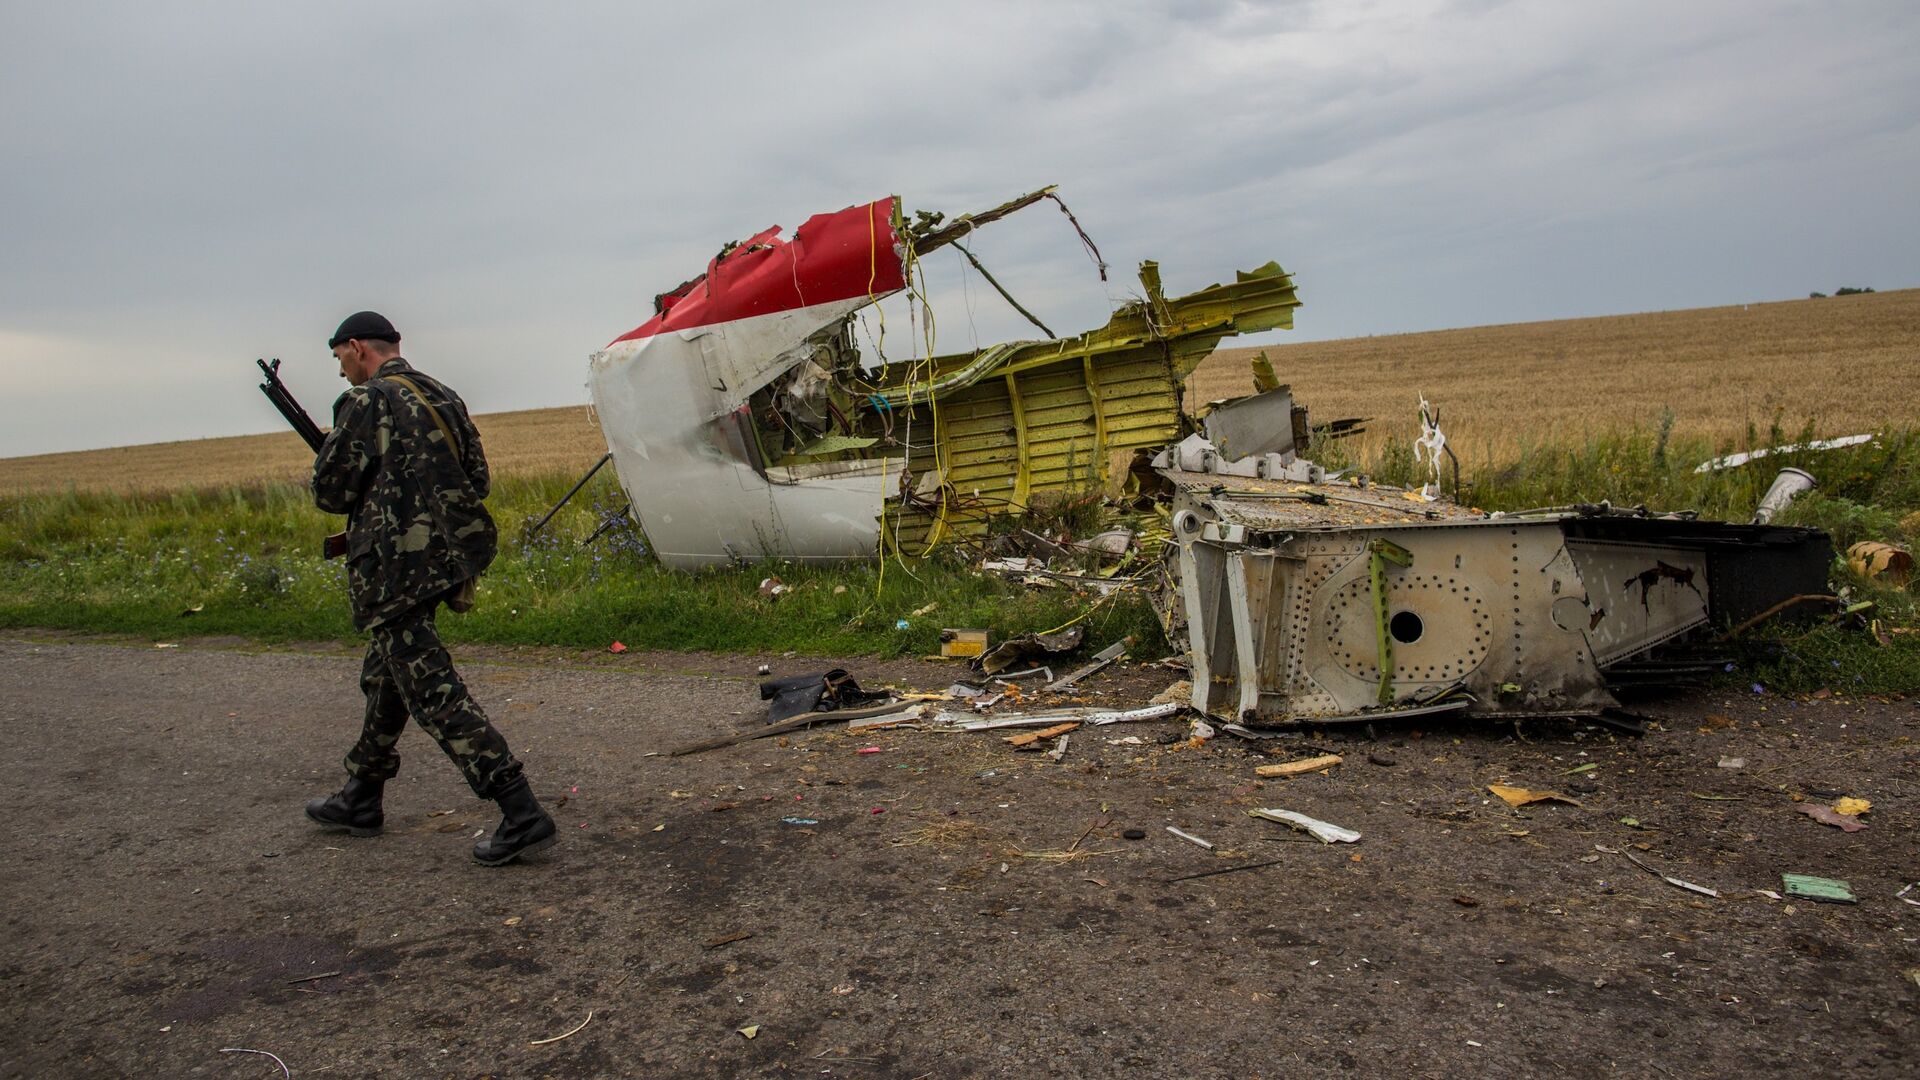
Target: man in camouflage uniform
{"x":404,"y":463}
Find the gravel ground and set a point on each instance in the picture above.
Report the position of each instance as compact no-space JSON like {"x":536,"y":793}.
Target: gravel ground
{"x":960,"y":909}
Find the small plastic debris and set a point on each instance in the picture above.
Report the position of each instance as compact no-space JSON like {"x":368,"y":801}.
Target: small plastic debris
{"x":1323,"y":831}
{"x":868,"y":750}
{"x":879,"y":810}
{"x":1826,"y":815}
{"x":799,"y":821}
{"x":1190,"y":838}
{"x":616,"y":647}
{"x":1851,"y":806}
{"x":1519,"y":796}
{"x":1733,"y":763}
{"x":1130,"y":740}
{"x":1822,"y":890}
{"x":167,"y":645}
{"x":902,"y":624}
{"x":1902,"y":894}
{"x":766,"y":669}
{"x":772,"y":587}
{"x":751,"y":1031}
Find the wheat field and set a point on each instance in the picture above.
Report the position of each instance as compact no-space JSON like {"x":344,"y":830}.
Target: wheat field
{"x":1846,"y":364}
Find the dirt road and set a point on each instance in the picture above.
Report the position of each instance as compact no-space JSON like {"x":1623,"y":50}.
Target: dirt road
{"x":165,"y":897}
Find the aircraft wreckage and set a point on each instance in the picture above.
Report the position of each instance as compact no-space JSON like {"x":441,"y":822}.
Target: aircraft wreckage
{"x":745,"y":424}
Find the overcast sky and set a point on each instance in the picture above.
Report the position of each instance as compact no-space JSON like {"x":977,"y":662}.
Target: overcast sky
{"x":187,"y":186}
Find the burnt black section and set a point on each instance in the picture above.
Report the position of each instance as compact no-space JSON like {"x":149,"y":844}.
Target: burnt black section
{"x":1750,"y":568}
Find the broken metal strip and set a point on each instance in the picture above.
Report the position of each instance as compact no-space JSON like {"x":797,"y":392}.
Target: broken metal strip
{"x":1100,"y":660}
{"x":1099,"y":418}
{"x":966,"y":223}
{"x":1023,"y":476}
{"x":1001,"y":289}
{"x":1263,"y":301}
{"x":1381,"y":551}
{"x":1244,"y":642}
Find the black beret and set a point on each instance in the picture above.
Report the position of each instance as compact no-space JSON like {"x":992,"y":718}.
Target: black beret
{"x":364,"y":324}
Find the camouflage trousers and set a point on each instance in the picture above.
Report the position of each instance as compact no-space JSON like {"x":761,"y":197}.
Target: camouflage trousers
{"x":408,"y":673}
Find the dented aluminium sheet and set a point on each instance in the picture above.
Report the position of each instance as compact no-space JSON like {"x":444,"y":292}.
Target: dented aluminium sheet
{"x":672,"y":396}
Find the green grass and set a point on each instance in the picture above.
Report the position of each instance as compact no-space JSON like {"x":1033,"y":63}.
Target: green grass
{"x":1869,"y":492}
{"x":247,"y":559}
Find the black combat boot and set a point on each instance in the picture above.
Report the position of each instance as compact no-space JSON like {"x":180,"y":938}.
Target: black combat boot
{"x":354,"y":808}
{"x":523,"y":830}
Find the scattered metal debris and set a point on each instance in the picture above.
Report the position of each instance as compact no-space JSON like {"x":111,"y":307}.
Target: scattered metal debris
{"x":284,"y":1071}
{"x":1674,"y":881}
{"x":1190,"y":838}
{"x":1734,"y":461}
{"x":1100,"y":661}
{"x":747,"y":419}
{"x":1089,"y":716}
{"x":1059,"y":751}
{"x":804,"y":720}
{"x":1324,"y":831}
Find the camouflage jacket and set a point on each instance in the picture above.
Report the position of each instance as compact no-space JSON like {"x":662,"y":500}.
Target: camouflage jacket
{"x":416,"y":525}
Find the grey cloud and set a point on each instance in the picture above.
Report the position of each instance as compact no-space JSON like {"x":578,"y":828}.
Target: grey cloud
{"x":514,"y":183}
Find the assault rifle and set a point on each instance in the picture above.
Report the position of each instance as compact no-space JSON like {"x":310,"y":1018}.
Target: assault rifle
{"x":303,"y":425}
{"x":282,"y":399}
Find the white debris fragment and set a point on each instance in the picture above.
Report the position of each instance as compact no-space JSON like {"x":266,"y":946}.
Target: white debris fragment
{"x":1323,"y":831}
{"x":1190,"y":838}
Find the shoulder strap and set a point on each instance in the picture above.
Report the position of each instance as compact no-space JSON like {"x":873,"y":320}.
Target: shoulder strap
{"x":435,"y":413}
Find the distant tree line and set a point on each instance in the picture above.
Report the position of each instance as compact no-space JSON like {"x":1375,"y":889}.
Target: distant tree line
{"x":1844,"y":290}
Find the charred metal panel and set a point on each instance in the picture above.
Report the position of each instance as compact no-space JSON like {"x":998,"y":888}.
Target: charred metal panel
{"x":1636,"y":595}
